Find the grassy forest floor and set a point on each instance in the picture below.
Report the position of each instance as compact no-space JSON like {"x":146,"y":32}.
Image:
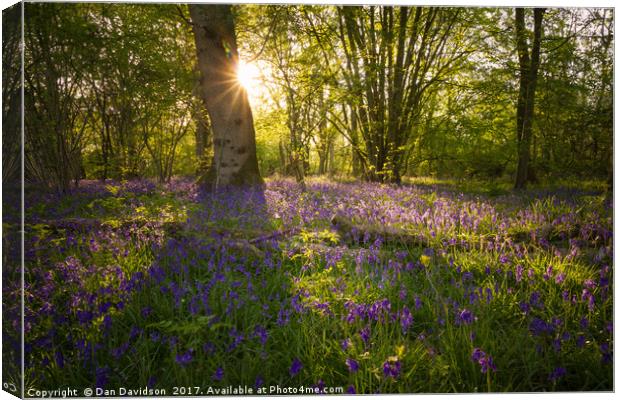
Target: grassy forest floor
{"x":433,"y":287}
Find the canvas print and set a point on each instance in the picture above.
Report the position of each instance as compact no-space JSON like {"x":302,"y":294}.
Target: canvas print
{"x":287,"y":199}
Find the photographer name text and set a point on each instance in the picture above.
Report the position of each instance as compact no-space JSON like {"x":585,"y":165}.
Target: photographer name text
{"x":230,"y":390}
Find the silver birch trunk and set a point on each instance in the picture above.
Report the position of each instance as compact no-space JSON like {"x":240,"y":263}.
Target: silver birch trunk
{"x":234,"y":142}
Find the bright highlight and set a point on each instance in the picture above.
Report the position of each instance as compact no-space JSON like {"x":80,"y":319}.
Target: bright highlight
{"x":248,"y":76}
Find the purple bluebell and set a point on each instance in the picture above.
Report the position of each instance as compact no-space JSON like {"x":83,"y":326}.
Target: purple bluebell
{"x":101,"y":376}
{"x":406,"y":319}
{"x":606,"y":353}
{"x":391,"y":369}
{"x":352,"y":365}
{"x":59,"y":358}
{"x":484,"y":360}
{"x":465,"y":317}
{"x":219,"y":374}
{"x":417,"y":302}
{"x":365,"y":335}
{"x":538,"y":327}
{"x":519,"y":273}
{"x":296,"y":367}
{"x":557,"y":373}
{"x":259,"y":382}
{"x":261,"y":333}
{"x":183,"y":359}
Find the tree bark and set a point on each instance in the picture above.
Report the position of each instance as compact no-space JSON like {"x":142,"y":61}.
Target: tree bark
{"x":528,"y":76}
{"x":202,"y":124}
{"x":234,"y":144}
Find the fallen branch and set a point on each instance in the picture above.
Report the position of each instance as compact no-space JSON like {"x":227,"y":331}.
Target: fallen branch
{"x":358,"y":234}
{"x":243,"y":246}
{"x":555,"y":233}
{"x":91,"y":224}
{"x":274,"y":235}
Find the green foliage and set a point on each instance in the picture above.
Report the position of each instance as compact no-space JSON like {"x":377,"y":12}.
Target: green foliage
{"x":271,"y":131}
{"x":340,"y":88}
{"x":109,"y":91}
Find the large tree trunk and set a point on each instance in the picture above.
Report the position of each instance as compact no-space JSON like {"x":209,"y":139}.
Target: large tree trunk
{"x":204,"y":143}
{"x":202,"y":128}
{"x":528,"y":75}
{"x":202,"y":133}
{"x":234,"y":144}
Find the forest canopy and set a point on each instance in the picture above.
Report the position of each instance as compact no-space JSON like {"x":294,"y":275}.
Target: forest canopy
{"x":372,"y":92}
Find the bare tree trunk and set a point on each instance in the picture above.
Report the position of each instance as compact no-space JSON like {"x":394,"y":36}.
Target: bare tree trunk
{"x":322,"y":161}
{"x":331,"y":158}
{"x":234,"y":161}
{"x":283,"y":158}
{"x":297,"y":164}
{"x":528,"y":76}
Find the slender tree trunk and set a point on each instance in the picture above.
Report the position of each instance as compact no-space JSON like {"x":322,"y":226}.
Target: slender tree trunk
{"x":322,"y":160}
{"x":234,"y":161}
{"x":283,"y":158}
{"x":356,"y":164}
{"x":528,"y":76}
{"x":331,"y":157}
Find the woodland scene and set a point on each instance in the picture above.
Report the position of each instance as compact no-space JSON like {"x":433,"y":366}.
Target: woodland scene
{"x":319,"y":198}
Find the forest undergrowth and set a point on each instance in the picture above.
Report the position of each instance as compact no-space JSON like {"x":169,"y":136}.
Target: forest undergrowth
{"x":431,"y":288}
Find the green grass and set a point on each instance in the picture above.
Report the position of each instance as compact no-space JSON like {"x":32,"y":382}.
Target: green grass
{"x":316,"y":267}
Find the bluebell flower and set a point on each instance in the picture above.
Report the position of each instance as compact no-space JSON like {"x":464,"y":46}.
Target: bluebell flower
{"x":219,"y":374}
{"x":259,"y":382}
{"x":365,"y":335}
{"x":184,"y":359}
{"x":465,"y":317}
{"x":406,"y":319}
{"x":581,"y":341}
{"x":484,"y":360}
{"x":352,"y":365}
{"x":418,"y":303}
{"x":391,"y":369}
{"x":557,"y":373}
{"x":296,"y":366}
{"x":101,"y":376}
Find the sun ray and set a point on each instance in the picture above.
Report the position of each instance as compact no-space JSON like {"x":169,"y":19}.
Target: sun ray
{"x":248,"y":76}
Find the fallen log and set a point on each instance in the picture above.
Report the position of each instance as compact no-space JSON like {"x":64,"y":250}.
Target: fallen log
{"x":91,"y":224}
{"x":243,"y":246}
{"x":557,"y":234}
{"x":358,"y":234}
{"x":255,"y":245}
{"x":274,"y":235}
